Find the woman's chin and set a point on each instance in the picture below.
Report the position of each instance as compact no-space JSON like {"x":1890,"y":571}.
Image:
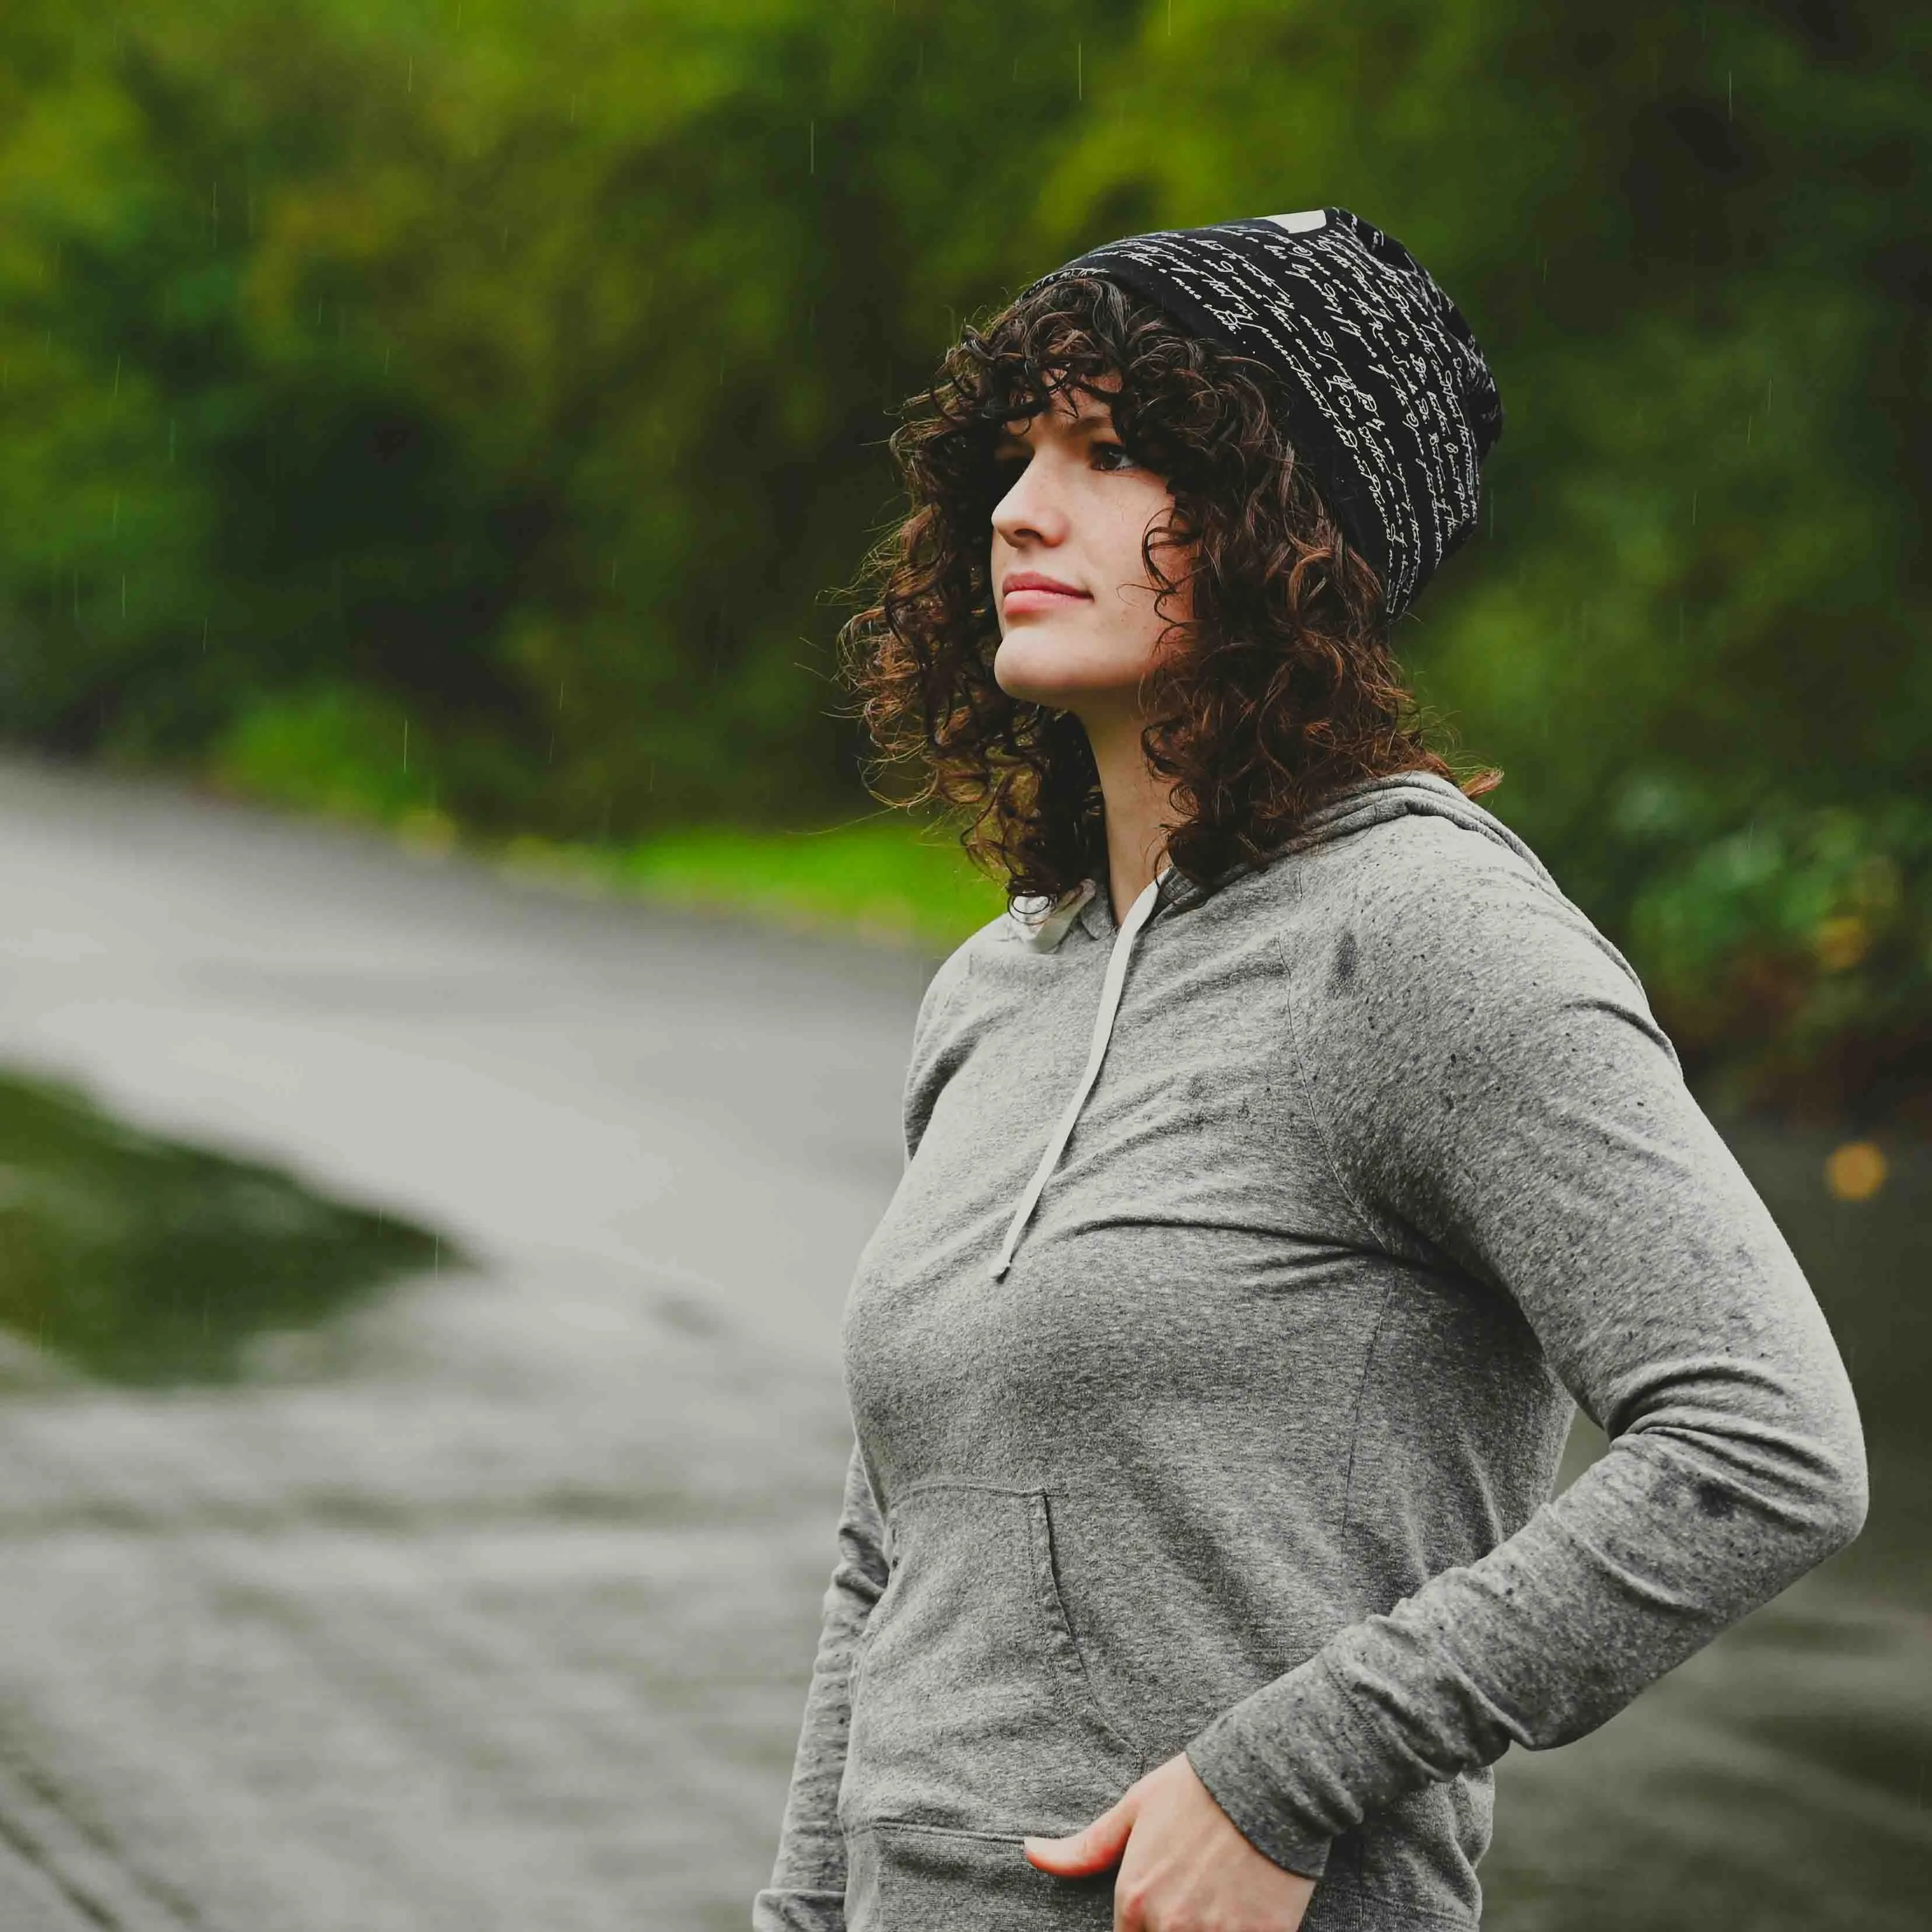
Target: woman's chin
{"x":1037,"y":671}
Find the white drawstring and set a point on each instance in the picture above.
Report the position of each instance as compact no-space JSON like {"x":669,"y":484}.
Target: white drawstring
{"x":1103,"y":1029}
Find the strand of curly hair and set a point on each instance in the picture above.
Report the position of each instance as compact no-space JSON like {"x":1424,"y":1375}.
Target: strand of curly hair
{"x":1280,"y":685}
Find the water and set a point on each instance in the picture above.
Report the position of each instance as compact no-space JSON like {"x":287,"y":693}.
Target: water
{"x":136,"y":1259}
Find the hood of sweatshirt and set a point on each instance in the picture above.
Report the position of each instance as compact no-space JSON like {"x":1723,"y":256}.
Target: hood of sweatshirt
{"x":1043,"y":924}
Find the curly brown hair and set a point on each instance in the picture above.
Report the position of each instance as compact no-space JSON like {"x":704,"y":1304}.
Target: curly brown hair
{"x":1280,"y":688}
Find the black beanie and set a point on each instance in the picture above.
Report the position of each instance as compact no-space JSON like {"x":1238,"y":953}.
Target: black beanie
{"x":1391,"y":405}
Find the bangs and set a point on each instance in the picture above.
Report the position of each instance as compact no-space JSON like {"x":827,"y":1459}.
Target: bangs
{"x":1067,"y":340}
{"x":1053,"y":343}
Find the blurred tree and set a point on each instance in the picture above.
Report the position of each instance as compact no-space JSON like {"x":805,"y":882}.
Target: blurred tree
{"x":531,"y":368}
{"x":448,"y":402}
{"x":1687,"y":237}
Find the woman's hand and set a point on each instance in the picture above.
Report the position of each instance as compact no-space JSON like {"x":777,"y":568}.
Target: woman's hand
{"x":1184,"y":1867}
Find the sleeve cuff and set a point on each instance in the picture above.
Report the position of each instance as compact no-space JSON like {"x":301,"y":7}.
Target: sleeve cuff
{"x":1218,"y":1762}
{"x":789,"y":1911}
{"x":1285,"y":1764}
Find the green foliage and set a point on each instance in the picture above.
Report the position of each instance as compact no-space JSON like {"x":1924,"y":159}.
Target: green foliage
{"x":529,"y":367}
{"x":342,"y":751}
{"x":1795,"y":953}
{"x":523,"y":374}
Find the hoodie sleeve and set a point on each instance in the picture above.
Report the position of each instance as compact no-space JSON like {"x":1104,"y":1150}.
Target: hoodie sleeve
{"x":1490,"y":1078}
{"x":807,"y":1892}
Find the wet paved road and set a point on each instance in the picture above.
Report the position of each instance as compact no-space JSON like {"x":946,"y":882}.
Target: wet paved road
{"x":492,"y":1605}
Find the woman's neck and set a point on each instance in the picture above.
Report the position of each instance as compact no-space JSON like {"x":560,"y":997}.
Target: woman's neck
{"x":1138,"y":809}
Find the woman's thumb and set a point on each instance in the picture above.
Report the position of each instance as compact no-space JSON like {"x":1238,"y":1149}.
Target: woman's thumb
{"x":1092,"y":1849}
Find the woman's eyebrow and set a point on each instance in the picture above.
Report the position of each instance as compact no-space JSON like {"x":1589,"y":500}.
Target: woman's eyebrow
{"x":1083,"y":425}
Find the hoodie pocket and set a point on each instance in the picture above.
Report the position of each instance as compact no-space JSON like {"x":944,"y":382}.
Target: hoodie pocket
{"x":969,"y":1706}
{"x":915,"y":1878}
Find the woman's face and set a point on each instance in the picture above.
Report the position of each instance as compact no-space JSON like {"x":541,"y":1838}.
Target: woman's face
{"x":1075,"y":508}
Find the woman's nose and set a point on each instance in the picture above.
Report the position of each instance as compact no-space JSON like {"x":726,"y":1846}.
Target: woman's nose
{"x":1031,"y":507}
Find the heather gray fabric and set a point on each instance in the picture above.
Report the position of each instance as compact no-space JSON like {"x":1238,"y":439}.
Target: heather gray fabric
{"x":1247,"y":1451}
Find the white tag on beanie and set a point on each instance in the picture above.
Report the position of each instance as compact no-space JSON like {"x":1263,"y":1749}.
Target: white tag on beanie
{"x":1300,"y":224}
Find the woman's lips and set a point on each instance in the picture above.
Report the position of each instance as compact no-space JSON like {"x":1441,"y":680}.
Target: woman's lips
{"x":1032,"y":597}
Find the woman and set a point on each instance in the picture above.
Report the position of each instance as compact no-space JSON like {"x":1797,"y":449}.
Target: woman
{"x":1279,"y":1169}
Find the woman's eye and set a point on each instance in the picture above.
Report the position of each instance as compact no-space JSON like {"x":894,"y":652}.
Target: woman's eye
{"x":1101,"y":449}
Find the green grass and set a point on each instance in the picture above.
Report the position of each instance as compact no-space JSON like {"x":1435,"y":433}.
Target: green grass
{"x":885,"y":878}
{"x":346,"y":753}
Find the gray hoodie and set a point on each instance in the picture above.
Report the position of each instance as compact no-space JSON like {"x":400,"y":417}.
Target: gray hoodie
{"x":1210,"y":1367}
